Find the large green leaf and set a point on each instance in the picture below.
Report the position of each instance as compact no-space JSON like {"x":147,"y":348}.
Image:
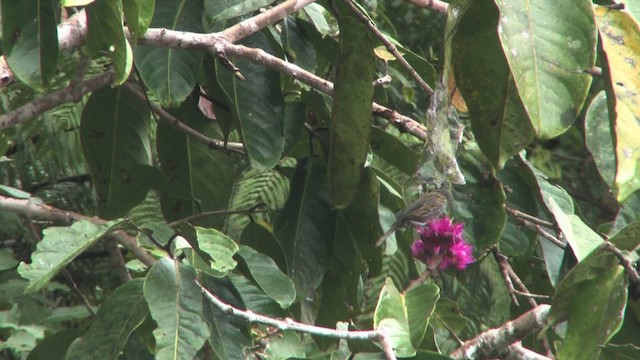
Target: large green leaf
{"x":115,"y":131}
{"x":171,"y":74}
{"x":30,"y":41}
{"x":597,"y":134}
{"x":394,"y":151}
{"x":121,"y":313}
{"x":59,"y":246}
{"x":254,"y":298}
{"x":351,"y":111}
{"x":258,"y":104}
{"x":420,"y":302}
{"x":175,"y":303}
{"x":620,"y":35}
{"x":297,"y":44}
{"x":391,"y":316}
{"x":484,"y":79}
{"x":480,"y":203}
{"x":106,"y":32}
{"x":206,"y":173}
{"x":548,"y":46}
{"x":138,"y":14}
{"x":304,"y":225}
{"x":268,"y":276}
{"x":580,"y":237}
{"x":230,"y":335}
{"x":592,"y":298}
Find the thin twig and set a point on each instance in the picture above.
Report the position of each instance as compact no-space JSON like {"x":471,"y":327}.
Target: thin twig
{"x":628,"y":265}
{"x":212,"y":143}
{"x":530,"y":295}
{"x":389,"y":45}
{"x":531,"y":218}
{"x":289,"y":324}
{"x":503,"y":264}
{"x":213,"y":213}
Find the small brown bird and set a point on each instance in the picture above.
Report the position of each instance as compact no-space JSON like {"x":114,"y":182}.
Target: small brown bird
{"x":428,"y":207}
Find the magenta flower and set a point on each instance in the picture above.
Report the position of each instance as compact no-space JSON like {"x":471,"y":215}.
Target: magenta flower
{"x":441,"y":245}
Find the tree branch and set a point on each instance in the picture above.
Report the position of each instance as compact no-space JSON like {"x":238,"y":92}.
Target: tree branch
{"x":389,"y":45}
{"x":69,"y":94}
{"x":290,"y":324}
{"x":496,"y":342}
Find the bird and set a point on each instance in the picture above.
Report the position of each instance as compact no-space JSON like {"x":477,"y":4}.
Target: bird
{"x":428,"y":207}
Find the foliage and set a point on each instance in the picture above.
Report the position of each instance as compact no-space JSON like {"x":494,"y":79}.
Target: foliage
{"x":222,"y":160}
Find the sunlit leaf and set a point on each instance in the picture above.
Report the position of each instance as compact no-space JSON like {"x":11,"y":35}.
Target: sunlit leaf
{"x":59,"y":246}
{"x":548,"y":47}
{"x":620,"y":35}
{"x":391,"y":316}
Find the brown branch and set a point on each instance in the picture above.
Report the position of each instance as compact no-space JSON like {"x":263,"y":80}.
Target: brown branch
{"x":503,"y":264}
{"x":533,"y":224}
{"x":531,"y":218}
{"x":495,"y":343}
{"x":174,"y":122}
{"x":389,"y":45}
{"x":290,"y":324}
{"x":116,"y":259}
{"x":435,"y":5}
{"x":55,"y":99}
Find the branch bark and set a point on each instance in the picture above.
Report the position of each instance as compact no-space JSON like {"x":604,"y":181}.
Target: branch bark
{"x":495,"y":343}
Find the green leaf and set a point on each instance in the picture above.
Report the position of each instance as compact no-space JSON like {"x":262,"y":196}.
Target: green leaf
{"x":287,"y":345}
{"x":106,"y":32}
{"x":580,"y":237}
{"x":485,"y":81}
{"x":595,"y":308}
{"x":30,"y":41}
{"x":269,"y":277}
{"x":207,"y":174}
{"x":220,"y":247}
{"x":391,"y":316}
{"x":54,"y":346}
{"x":620,"y":36}
{"x":230,"y":335}
{"x":545,"y":190}
{"x":420,"y":302}
{"x":394,"y":151}
{"x":171,"y":74}
{"x":597,"y":133}
{"x":138,"y":15}
{"x":548,"y":46}
{"x":480,"y":203}
{"x":59,"y":246}
{"x":258,"y":104}
{"x":13,"y":192}
{"x":362,"y":221}
{"x":254,"y":298}
{"x":219,"y":10}
{"x":627,"y":239}
{"x":303,"y":227}
{"x":121,"y":313}
{"x":110,"y":119}
{"x":351,"y":114}
{"x":175,"y":303}
{"x":299,"y":48}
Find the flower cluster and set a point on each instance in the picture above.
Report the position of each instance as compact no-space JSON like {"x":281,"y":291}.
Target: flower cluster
{"x":441,"y":245}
